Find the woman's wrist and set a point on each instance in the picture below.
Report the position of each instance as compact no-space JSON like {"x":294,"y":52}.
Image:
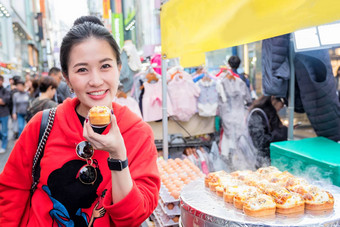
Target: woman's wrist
{"x":121,"y":155}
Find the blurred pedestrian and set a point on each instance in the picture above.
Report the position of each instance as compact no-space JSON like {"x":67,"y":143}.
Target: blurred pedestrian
{"x":265,"y":126}
{"x":20,"y":104}
{"x":234,"y":63}
{"x":28,"y":82}
{"x":63,"y":91}
{"x":11,"y":84}
{"x":34,"y":91}
{"x":4,"y":114}
{"x":47,"y":87}
{"x":13,"y":90}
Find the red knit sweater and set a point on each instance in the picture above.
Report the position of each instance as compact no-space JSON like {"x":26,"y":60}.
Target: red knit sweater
{"x":61,"y":199}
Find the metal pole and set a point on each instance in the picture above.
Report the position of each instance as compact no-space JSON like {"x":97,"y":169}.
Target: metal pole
{"x":164,"y":110}
{"x":291,"y":91}
{"x":246,"y":58}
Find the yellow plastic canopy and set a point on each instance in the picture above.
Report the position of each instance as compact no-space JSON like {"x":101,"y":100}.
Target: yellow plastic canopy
{"x":193,"y":27}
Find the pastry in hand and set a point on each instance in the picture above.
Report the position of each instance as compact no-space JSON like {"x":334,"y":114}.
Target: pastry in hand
{"x":99,"y":116}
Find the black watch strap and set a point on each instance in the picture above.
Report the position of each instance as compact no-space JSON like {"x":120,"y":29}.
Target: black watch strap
{"x":116,"y":164}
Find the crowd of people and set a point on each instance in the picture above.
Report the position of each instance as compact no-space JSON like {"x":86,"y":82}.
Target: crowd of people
{"x":22,"y":98}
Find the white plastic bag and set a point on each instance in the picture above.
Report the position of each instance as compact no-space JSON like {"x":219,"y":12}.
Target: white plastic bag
{"x":215,"y":161}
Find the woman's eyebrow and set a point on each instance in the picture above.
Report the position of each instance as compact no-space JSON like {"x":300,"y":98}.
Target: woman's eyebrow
{"x":80,"y":64}
{"x":105,"y":59}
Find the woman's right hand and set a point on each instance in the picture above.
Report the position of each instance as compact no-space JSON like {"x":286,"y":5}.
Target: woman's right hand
{"x":112,"y":142}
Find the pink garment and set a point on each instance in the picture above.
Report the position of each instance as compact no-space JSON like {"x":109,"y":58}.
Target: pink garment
{"x":152,"y":102}
{"x":183,"y":94}
{"x":131,"y":103}
{"x":157,"y":58}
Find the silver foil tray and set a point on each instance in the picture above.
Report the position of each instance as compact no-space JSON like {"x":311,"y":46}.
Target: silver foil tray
{"x":201,"y":207}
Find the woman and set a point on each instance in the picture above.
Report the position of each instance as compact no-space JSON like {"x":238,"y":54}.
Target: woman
{"x":74,"y":189}
{"x":47,"y":87}
{"x":20,"y":104}
{"x":265,"y":126}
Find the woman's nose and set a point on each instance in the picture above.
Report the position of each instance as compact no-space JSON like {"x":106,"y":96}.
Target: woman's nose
{"x":96,"y":79}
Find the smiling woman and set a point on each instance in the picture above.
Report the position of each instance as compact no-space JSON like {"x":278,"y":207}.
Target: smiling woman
{"x":113,"y":180}
{"x":93,"y":74}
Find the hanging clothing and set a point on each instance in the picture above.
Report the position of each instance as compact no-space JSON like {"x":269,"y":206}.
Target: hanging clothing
{"x":275,"y":66}
{"x":157,"y":58}
{"x":318,"y":92}
{"x":133,"y":57}
{"x":131,"y":65}
{"x":183,"y":94}
{"x":208,"y":98}
{"x":126,"y":74}
{"x":233,"y":112}
{"x":152,"y":102}
{"x":129,"y":102}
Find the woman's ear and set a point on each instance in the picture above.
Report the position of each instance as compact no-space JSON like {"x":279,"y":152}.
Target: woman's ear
{"x":67,"y":81}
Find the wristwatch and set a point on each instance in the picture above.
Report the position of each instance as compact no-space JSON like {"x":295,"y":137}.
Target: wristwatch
{"x":116,"y":164}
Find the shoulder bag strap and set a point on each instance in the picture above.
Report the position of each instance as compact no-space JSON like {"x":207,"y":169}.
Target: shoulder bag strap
{"x":45,"y":129}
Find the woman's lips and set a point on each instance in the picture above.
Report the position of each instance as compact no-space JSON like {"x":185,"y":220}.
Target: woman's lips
{"x":97,"y":94}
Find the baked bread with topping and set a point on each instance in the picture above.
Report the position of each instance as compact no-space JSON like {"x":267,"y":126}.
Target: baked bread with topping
{"x":99,"y":115}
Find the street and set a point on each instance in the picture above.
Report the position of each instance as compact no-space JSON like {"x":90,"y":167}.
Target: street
{"x":11,"y":141}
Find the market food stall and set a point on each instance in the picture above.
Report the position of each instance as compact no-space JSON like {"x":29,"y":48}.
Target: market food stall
{"x":190,"y":28}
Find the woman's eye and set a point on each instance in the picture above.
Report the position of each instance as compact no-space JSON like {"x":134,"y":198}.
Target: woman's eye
{"x":105,"y":66}
{"x":81,"y":70}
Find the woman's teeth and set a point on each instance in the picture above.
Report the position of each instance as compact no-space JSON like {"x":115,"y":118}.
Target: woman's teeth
{"x":97,"y":93}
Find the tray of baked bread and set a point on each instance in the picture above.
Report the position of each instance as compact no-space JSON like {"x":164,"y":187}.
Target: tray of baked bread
{"x":265,"y":197}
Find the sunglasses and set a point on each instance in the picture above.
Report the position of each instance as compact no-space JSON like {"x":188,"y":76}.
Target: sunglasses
{"x":88,"y":173}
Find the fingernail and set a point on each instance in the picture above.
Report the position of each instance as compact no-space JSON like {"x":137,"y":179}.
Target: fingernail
{"x":87,"y":120}
{"x":111,"y":111}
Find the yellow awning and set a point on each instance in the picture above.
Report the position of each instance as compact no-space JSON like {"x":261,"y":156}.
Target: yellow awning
{"x":190,"y":27}
{"x":192,"y":60}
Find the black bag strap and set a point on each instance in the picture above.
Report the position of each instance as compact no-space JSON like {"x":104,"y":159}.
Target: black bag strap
{"x":45,"y":129}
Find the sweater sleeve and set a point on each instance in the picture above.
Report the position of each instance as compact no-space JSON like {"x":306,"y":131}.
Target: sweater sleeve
{"x":137,"y":206}
{"x":6,"y":97}
{"x":16,"y":178}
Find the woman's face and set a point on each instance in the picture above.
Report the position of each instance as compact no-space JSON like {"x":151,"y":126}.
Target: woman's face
{"x":93,"y":74}
{"x":277,"y":104}
{"x":20,"y":87}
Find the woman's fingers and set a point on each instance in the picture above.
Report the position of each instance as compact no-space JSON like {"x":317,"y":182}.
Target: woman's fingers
{"x":88,"y":132}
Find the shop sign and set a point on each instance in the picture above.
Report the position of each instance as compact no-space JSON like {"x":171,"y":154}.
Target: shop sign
{"x":117,"y":28}
{"x":40,"y":26}
{"x":106,"y":9}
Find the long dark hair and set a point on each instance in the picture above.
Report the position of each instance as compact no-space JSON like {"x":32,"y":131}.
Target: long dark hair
{"x":85,"y":27}
{"x":265,"y":103}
